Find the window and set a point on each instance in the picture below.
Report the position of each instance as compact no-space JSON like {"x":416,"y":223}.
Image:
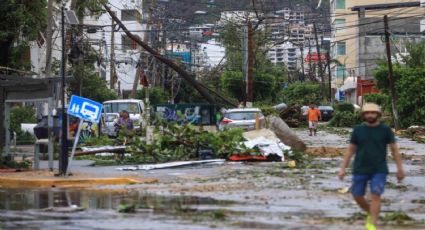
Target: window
{"x":340,"y":4}
{"x":340,"y":71}
{"x":130,"y":15}
{"x":340,"y":48}
{"x":117,"y":107}
{"x":339,"y":24}
{"x":127,"y":43}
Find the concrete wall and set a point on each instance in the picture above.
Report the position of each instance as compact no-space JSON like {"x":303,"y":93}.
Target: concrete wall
{"x":372,"y":45}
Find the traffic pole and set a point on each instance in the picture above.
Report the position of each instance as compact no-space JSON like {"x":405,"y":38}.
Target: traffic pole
{"x":63,"y":160}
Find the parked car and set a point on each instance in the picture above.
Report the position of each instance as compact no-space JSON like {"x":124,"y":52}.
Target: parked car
{"x":326,"y":111}
{"x":241,"y":118}
{"x":108,"y":124}
{"x":134,"y":107}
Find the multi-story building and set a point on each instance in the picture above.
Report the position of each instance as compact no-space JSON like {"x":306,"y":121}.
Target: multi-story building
{"x":126,"y":51}
{"x":356,"y":40}
{"x":286,"y":53}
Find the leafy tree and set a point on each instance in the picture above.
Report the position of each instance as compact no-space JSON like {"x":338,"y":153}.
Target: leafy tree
{"x":416,"y":57}
{"x":19,"y":115}
{"x":87,"y":83}
{"x":156,"y":95}
{"x":410,"y":88}
{"x":380,"y":99}
{"x":302,"y":94}
{"x":21,"y":21}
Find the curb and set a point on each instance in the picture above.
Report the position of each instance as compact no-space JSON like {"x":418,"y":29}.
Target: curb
{"x":83,"y":182}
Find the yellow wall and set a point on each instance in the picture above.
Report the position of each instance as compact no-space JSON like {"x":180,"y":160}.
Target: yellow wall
{"x":350,"y":33}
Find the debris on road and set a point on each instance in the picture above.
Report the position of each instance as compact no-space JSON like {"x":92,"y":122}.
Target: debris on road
{"x":171,"y":165}
{"x":261,"y":145}
{"x":101,"y":149}
{"x":292,"y":116}
{"x":416,"y":133}
{"x":325,"y":151}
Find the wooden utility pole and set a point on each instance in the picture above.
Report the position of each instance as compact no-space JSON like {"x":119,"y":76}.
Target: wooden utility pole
{"x":112,"y":79}
{"x":49,"y":38}
{"x":328,"y":56}
{"x":310,"y":66}
{"x":322,"y":78}
{"x":137,"y":77}
{"x":302,"y":63}
{"x":390,"y":75}
{"x":250,"y":67}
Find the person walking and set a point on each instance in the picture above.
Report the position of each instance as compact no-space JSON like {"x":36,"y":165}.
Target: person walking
{"x":313,"y":115}
{"x":369,"y":143}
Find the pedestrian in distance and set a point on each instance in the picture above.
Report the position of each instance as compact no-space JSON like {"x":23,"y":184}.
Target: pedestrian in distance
{"x":313,"y":115}
{"x":125,"y":126}
{"x":369,"y":142}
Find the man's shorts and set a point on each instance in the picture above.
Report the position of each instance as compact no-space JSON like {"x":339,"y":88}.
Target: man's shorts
{"x":360,"y":181}
{"x":312,"y":124}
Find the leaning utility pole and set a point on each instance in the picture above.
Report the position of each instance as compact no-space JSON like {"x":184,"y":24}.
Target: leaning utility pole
{"x":112,"y":64}
{"x":187,"y":76}
{"x":322,"y":78}
{"x":390,"y":74}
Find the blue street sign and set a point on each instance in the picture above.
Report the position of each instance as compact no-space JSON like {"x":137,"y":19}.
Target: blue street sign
{"x":341,"y":95}
{"x":85,"y":109}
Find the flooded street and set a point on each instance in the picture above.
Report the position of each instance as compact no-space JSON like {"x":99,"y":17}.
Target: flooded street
{"x":227,"y":196}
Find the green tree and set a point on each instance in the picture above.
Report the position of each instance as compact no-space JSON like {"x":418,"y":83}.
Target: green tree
{"x":156,"y":95}
{"x":21,"y":22}
{"x":410,"y":89}
{"x":302,"y":94}
{"x":19,"y":115}
{"x":267,"y":77}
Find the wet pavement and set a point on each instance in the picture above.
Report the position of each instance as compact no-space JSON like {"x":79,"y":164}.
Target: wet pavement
{"x":228,"y":196}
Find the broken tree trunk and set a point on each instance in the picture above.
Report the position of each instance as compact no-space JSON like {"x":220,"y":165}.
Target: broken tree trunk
{"x":285,"y":134}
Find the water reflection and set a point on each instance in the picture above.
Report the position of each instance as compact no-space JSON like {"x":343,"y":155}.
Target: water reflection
{"x":41,"y":199}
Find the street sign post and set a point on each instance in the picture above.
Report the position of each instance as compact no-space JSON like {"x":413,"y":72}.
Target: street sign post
{"x":85,"y":109}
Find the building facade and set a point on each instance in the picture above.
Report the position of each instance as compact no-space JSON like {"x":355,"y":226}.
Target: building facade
{"x":126,"y":52}
{"x":356,"y":38}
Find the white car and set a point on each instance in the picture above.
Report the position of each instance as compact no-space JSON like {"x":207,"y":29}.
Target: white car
{"x":135,"y":108}
{"x":241,"y":118}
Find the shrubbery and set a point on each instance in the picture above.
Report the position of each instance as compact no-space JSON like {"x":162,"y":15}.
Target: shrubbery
{"x":345,"y":107}
{"x":345,"y":116}
{"x":302,"y":94}
{"x":345,"y":119}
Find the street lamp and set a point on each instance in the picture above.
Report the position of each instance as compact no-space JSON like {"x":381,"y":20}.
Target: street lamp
{"x":71,"y":19}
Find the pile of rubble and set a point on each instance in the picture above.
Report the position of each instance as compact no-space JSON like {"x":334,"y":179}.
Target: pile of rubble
{"x":293,"y":116}
{"x":417,"y":133}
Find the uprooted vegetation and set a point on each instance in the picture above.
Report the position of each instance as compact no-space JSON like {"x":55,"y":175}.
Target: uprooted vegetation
{"x":182,"y":142}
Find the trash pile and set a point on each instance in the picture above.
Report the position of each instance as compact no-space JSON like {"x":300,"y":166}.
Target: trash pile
{"x":416,"y":133}
{"x":293,"y":116}
{"x":261,"y":145}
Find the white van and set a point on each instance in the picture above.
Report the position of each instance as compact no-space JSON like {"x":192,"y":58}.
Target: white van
{"x":134,"y":107}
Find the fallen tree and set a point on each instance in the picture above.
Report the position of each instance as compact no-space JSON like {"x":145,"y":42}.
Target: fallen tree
{"x":203,"y":90}
{"x":285,"y":134}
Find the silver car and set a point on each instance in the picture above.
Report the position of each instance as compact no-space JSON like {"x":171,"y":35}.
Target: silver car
{"x":241,"y":118}
{"x":108,"y":124}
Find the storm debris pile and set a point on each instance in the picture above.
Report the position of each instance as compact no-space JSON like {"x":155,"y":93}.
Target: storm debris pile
{"x":416,"y":133}
{"x":292,"y":116}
